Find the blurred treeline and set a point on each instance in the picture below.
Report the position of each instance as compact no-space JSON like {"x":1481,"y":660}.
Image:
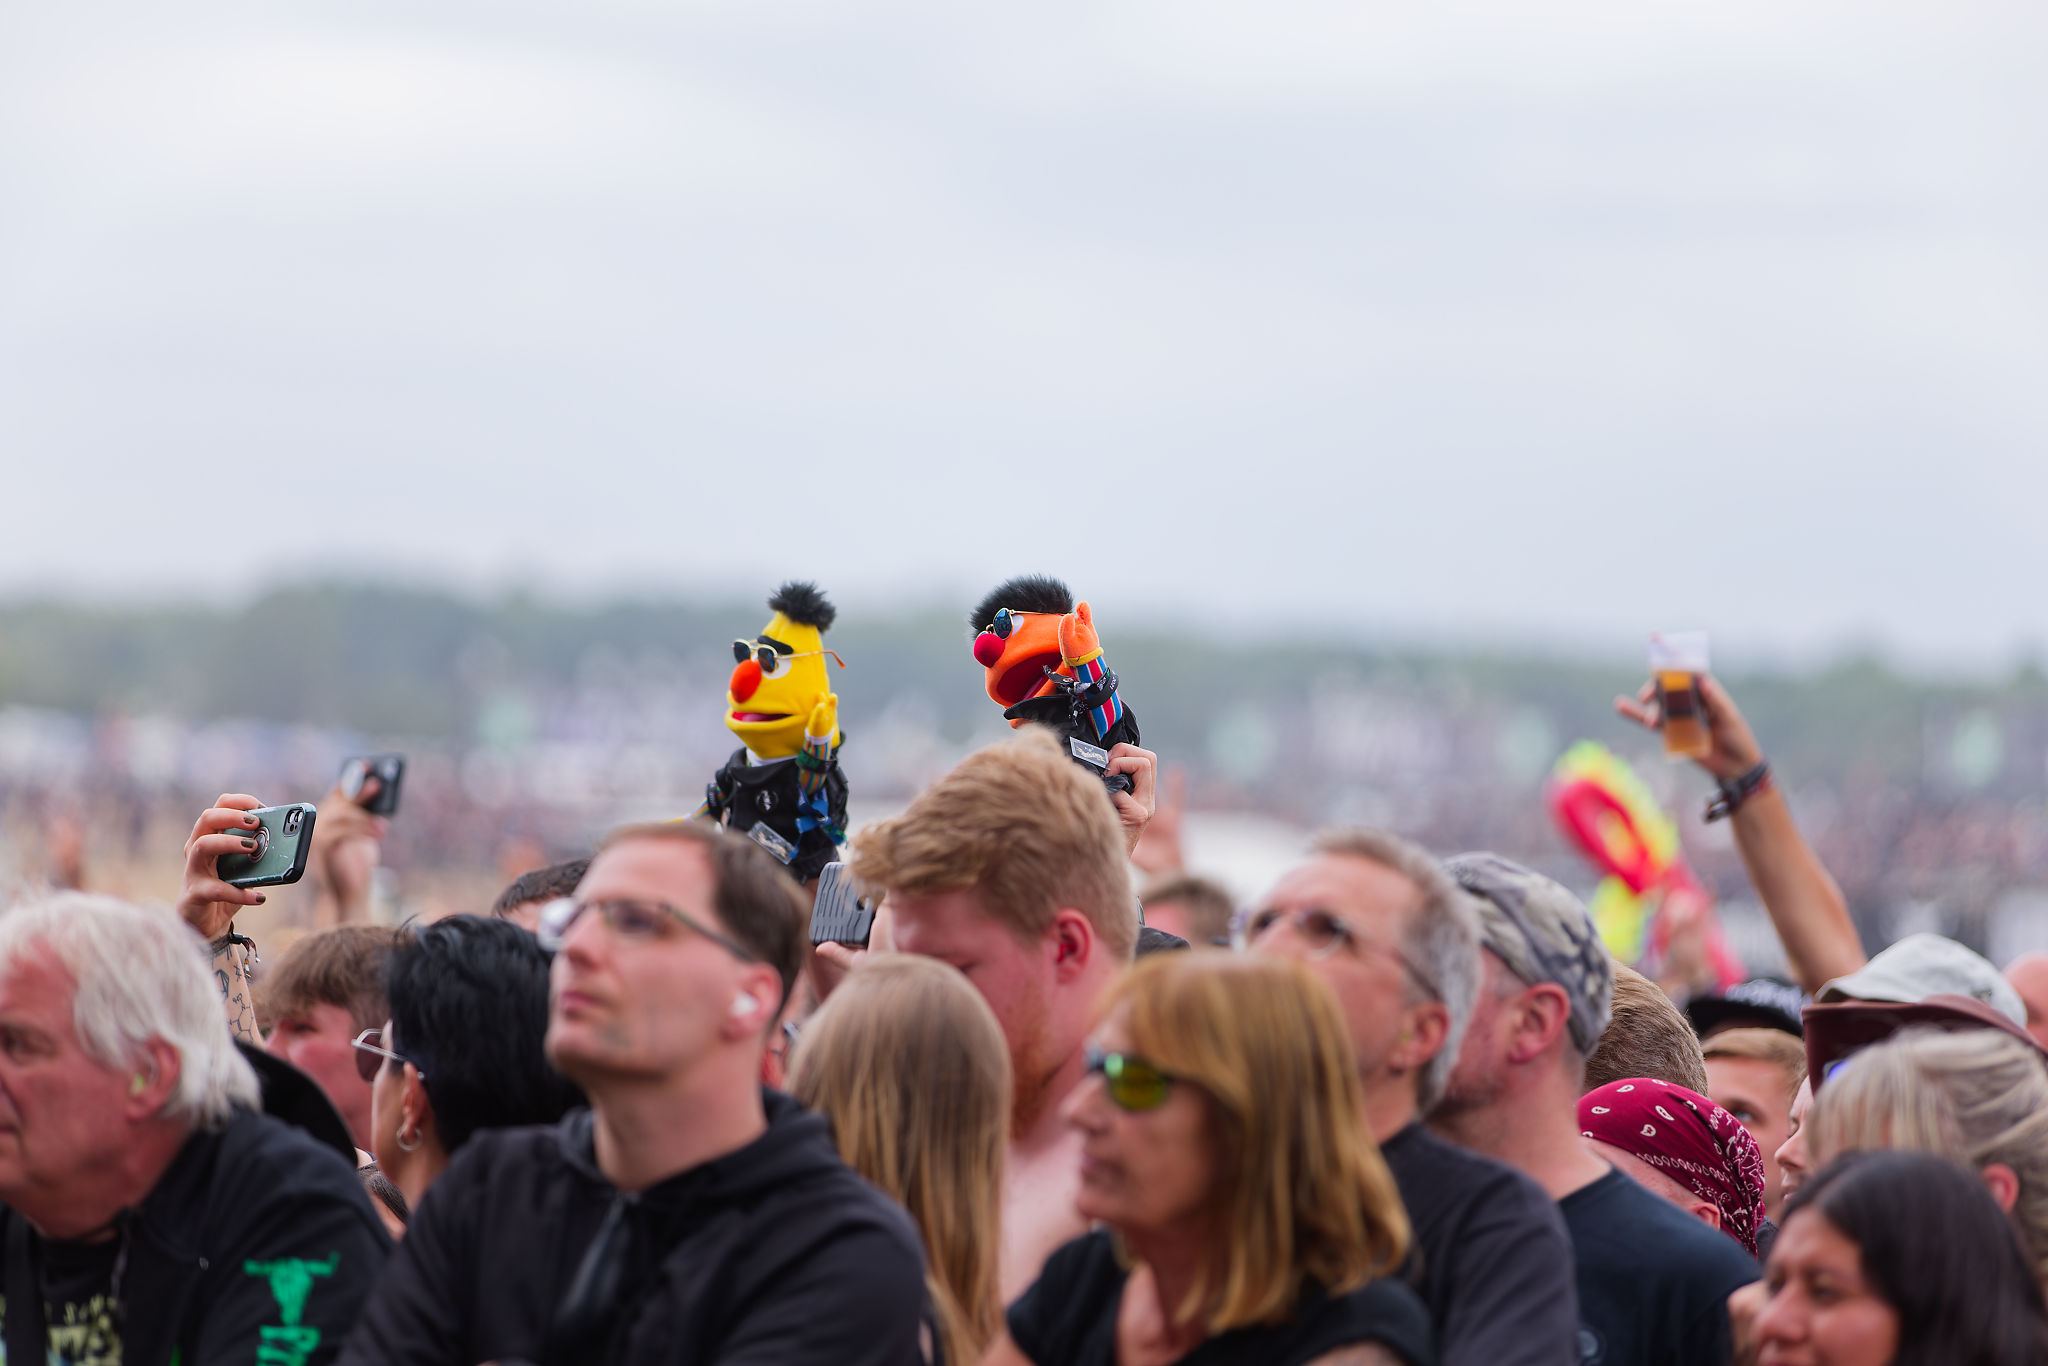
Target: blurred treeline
{"x":422,"y":665}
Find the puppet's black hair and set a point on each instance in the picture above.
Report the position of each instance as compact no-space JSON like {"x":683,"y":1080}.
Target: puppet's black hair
{"x":803,"y":603}
{"x":1025,"y":593}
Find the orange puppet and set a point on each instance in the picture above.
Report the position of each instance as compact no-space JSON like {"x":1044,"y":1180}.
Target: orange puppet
{"x":1044,"y":664}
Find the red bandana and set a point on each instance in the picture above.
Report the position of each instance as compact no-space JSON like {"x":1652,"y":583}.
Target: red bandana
{"x":1687,"y":1137}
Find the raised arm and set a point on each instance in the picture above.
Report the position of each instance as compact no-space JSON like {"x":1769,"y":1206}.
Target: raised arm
{"x":209,"y":905}
{"x":1805,"y":905}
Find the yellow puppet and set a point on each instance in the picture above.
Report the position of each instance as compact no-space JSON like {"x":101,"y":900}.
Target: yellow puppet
{"x":783,"y":788}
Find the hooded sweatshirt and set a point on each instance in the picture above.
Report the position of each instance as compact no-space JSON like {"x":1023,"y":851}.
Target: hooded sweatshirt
{"x":257,"y":1244}
{"x":774,"y":1253}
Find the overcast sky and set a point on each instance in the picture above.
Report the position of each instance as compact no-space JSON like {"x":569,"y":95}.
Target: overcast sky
{"x":1566,"y":321}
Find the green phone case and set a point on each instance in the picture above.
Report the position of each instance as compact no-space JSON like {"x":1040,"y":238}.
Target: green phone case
{"x":283,"y":841}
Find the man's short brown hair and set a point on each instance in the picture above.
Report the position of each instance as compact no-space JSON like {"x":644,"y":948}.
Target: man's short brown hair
{"x":755,"y":899}
{"x":1025,"y":828}
{"x":1647,"y":1037}
{"x":1784,"y":1051}
{"x":1209,"y":904}
{"x":343,"y":966}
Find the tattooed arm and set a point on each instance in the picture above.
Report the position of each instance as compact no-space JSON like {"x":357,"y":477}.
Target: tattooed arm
{"x":209,"y":905}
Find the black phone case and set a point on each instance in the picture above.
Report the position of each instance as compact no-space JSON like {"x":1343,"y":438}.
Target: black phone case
{"x":388,"y":770}
{"x":282,"y":860}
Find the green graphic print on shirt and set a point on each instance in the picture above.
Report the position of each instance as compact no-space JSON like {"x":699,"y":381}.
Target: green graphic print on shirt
{"x":291,"y":1281}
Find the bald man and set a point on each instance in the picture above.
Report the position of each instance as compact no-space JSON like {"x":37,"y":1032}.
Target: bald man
{"x":2028,"y":975}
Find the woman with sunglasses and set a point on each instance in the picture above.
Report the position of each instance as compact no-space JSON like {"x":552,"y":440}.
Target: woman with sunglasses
{"x":462,"y":1050}
{"x":1246,"y":1214}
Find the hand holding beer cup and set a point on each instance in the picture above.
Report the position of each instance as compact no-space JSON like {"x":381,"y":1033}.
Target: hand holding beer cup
{"x":1731,"y":748}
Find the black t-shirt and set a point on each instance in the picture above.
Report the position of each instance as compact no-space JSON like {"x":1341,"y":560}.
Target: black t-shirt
{"x":1068,"y":1318}
{"x":1492,"y":1260}
{"x":1653,"y":1281}
{"x":81,"y":1320}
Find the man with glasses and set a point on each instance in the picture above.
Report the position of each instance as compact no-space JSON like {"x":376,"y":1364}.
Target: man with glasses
{"x":688,"y":1215}
{"x":1375,"y":917}
{"x":1653,"y":1283}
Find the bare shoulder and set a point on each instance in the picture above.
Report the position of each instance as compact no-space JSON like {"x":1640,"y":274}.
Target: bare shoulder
{"x":1358,"y":1354}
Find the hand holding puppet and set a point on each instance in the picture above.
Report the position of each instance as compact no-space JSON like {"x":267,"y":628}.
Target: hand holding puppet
{"x":783,"y":787}
{"x":1044,"y":664}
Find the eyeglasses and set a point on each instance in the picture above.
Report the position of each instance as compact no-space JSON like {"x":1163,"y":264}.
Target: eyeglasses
{"x":638,"y":921}
{"x":1007,"y":621}
{"x":1132,"y":1084}
{"x":1325,"y":932}
{"x":774,"y":663}
{"x":371,"y":1052}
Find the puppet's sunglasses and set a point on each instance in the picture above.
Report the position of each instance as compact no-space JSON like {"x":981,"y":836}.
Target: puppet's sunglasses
{"x":1132,"y":1084}
{"x":774,"y":662}
{"x":1007,"y":621}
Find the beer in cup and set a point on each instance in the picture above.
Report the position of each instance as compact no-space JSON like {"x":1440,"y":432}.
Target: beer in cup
{"x":1677,"y":659}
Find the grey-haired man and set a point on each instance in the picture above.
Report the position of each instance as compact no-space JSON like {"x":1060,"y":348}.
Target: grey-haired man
{"x":1653,"y":1284}
{"x":1375,"y":917}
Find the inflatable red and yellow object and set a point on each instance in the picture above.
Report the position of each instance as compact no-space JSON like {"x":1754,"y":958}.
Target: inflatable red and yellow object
{"x":1602,"y":807}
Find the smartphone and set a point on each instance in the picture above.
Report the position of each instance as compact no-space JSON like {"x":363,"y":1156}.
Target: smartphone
{"x":840,"y":914}
{"x":387,"y":769}
{"x":283,"y":841}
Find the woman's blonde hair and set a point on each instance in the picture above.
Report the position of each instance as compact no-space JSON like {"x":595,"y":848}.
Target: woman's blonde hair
{"x":908,"y":1063}
{"x":1303,"y":1194}
{"x":1974,"y":1096}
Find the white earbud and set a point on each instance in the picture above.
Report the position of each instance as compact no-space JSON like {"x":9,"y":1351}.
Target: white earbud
{"x":743,"y":1005}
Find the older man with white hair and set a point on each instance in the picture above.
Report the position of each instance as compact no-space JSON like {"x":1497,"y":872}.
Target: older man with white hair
{"x":148,"y":1212}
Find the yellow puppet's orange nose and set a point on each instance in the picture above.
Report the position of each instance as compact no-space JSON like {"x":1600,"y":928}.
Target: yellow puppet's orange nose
{"x":746,"y":679}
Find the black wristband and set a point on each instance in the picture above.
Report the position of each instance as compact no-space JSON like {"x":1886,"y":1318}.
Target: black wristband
{"x":1733,"y":794}
{"x":229,"y":941}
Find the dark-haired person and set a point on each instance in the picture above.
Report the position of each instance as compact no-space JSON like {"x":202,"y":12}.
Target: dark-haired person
{"x":324,"y":991}
{"x":1245,"y":1215}
{"x":687,"y":1215}
{"x":522,"y":901}
{"x":462,"y":1050}
{"x":1898,"y":1259}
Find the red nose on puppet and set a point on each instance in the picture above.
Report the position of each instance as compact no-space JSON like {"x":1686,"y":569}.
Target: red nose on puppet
{"x":746,"y":678}
{"x":988,"y":648}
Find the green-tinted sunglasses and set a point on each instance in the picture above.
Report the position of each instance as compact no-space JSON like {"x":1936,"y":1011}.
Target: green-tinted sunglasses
{"x":1133,"y":1085}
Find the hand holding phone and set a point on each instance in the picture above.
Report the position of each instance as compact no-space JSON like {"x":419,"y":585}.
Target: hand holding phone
{"x":283,"y":838}
{"x":231,"y":827}
{"x":379,"y":775}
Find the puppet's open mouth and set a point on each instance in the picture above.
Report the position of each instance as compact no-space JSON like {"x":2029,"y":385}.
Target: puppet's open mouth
{"x":745,"y":717}
{"x":1026,"y":677}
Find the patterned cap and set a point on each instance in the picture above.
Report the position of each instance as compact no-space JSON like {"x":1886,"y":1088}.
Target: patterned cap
{"x":1543,"y":933}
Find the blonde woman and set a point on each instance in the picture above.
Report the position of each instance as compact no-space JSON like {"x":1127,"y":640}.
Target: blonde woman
{"x":1246,"y":1213}
{"x":908,"y":1064}
{"x":1977,"y":1096}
